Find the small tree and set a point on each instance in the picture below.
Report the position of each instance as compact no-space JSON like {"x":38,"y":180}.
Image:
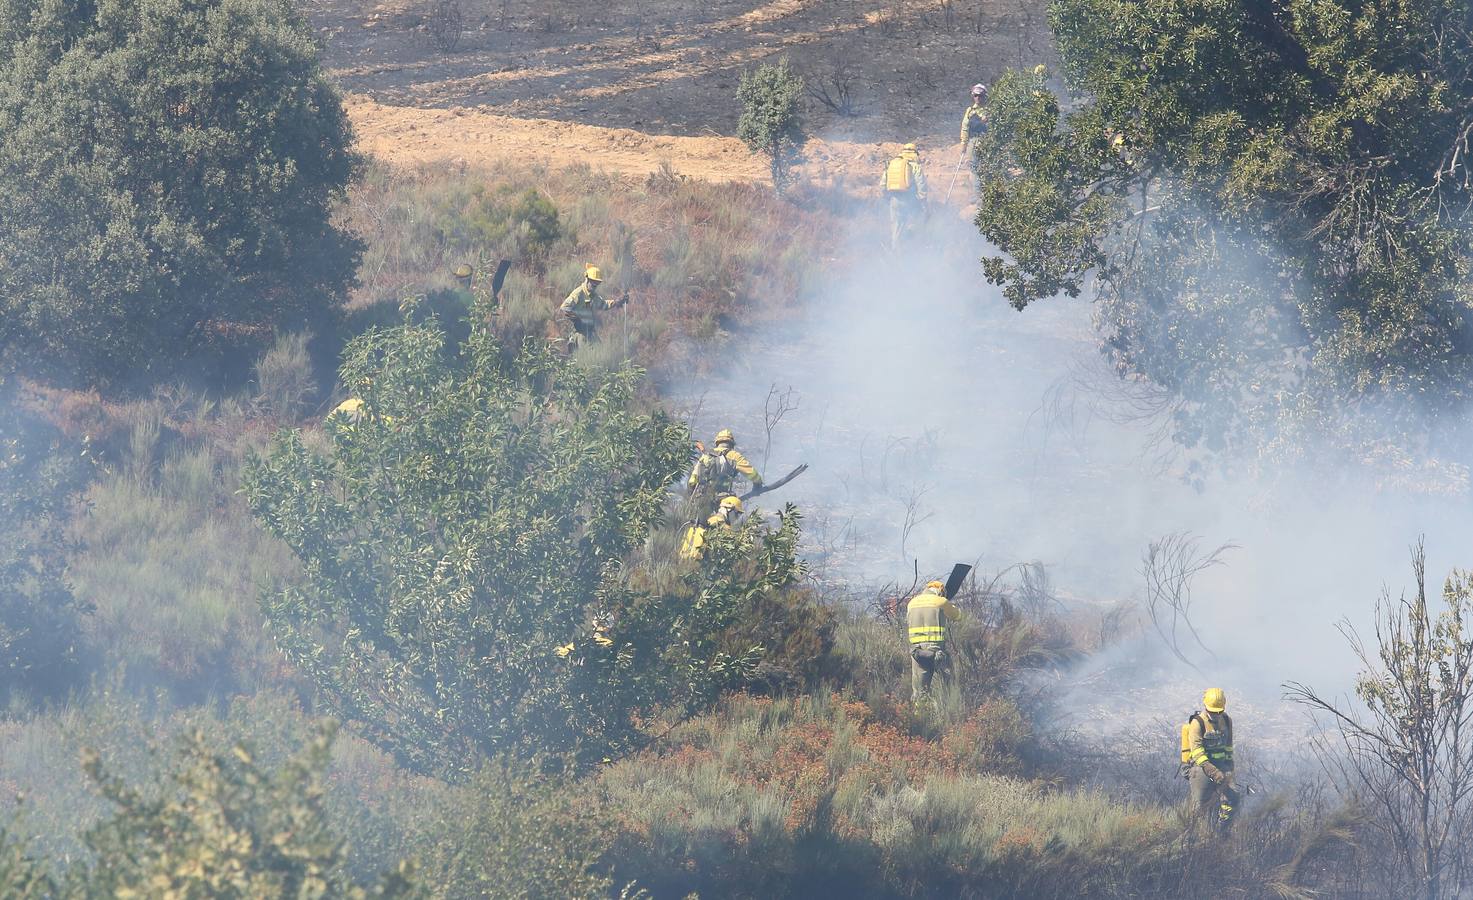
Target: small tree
{"x":1410,"y":751}
{"x":770,"y":123}
{"x":167,"y":181}
{"x":466,"y":549}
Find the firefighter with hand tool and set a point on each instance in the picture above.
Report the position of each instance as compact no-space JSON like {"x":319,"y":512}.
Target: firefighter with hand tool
{"x":715,"y":471}
{"x":1207,"y":761}
{"x":583,"y":303}
{"x":928,"y":617}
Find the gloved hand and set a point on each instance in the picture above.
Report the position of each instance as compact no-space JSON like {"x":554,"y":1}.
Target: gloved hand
{"x":1213,"y":772}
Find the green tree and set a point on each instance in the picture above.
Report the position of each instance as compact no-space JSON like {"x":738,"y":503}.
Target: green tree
{"x":1269,"y":201}
{"x":167,"y":180}
{"x":770,"y":123}
{"x":224,"y":828}
{"x":465,"y":548}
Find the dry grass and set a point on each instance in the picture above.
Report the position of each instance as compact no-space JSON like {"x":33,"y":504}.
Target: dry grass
{"x":774,"y":797}
{"x":698,"y":259}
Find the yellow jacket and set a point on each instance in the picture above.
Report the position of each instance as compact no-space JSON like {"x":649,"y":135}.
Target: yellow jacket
{"x":974,"y":122}
{"x":927,"y":616}
{"x":719,"y":468}
{"x":582,"y":301}
{"x":1210,"y":739}
{"x":694,"y":543}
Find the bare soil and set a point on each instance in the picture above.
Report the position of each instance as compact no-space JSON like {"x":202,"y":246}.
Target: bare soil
{"x":626,"y":85}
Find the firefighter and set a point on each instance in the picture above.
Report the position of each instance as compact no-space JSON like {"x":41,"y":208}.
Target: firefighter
{"x":974,"y":120}
{"x":582,"y":304}
{"x":927,"y":618}
{"x":715,"y":471}
{"x":905,"y":189}
{"x":1207,"y":755}
{"x":724,"y":519}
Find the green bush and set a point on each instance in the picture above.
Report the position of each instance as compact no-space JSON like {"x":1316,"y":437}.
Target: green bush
{"x":463,"y":547}
{"x":285,"y":383}
{"x":520,"y":225}
{"x":770,"y":123}
{"x":167,"y":180}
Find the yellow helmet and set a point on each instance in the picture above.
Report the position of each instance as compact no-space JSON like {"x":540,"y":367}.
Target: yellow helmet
{"x":1040,"y":70}
{"x":936,"y":586}
{"x":909,"y":148}
{"x":463,"y":271}
{"x":593,"y":274}
{"x":1214,"y":699}
{"x":732,"y":503}
{"x":724,"y":436}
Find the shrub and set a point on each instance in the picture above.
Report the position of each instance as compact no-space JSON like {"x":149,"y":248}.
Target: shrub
{"x":509,"y":833}
{"x":285,"y":383}
{"x":41,"y":474}
{"x":513,"y":224}
{"x":227,"y":829}
{"x":770,"y":123}
{"x":166,"y":181}
{"x":462,"y":548}
{"x":171,"y":564}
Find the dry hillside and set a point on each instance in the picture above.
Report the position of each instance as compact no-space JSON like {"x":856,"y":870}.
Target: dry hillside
{"x":626,"y":84}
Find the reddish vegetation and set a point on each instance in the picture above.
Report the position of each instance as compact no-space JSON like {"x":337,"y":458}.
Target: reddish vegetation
{"x":798,"y":761}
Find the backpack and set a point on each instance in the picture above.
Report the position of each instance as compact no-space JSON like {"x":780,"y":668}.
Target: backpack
{"x":1186,"y":739}
{"x":897,"y":175}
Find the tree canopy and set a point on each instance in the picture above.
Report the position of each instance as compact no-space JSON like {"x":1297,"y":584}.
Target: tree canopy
{"x":1268,"y":200}
{"x":467,"y":544}
{"x":166,"y":181}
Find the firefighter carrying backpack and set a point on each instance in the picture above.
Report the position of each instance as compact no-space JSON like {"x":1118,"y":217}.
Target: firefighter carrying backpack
{"x":897,"y":175}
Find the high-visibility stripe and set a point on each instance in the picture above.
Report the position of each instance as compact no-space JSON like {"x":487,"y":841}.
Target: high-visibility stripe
{"x":922,"y":634}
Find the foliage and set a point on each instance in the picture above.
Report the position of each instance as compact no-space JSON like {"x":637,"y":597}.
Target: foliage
{"x":22,"y":877}
{"x":229,"y":829}
{"x":285,"y":384}
{"x":815,"y":796}
{"x":508,"y":832}
{"x":1269,"y":200}
{"x":462,"y":548}
{"x":770,"y":122}
{"x":700,"y":259}
{"x":41,"y":474}
{"x":1407,"y":752}
{"x":517,"y":224}
{"x":166,"y":181}
{"x":171,"y":558}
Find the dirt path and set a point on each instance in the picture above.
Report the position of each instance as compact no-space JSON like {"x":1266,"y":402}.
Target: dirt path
{"x":407,"y":135}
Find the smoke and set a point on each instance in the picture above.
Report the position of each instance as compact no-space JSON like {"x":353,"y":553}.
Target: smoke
{"x":942,"y":426}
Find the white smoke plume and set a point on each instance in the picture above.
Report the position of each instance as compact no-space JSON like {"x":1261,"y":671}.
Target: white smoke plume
{"x":942,"y":426}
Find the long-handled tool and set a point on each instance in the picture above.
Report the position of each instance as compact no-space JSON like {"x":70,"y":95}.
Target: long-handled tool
{"x":499,"y":279}
{"x":955,"y":172}
{"x":772,"y":486}
{"x":959,"y":573}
